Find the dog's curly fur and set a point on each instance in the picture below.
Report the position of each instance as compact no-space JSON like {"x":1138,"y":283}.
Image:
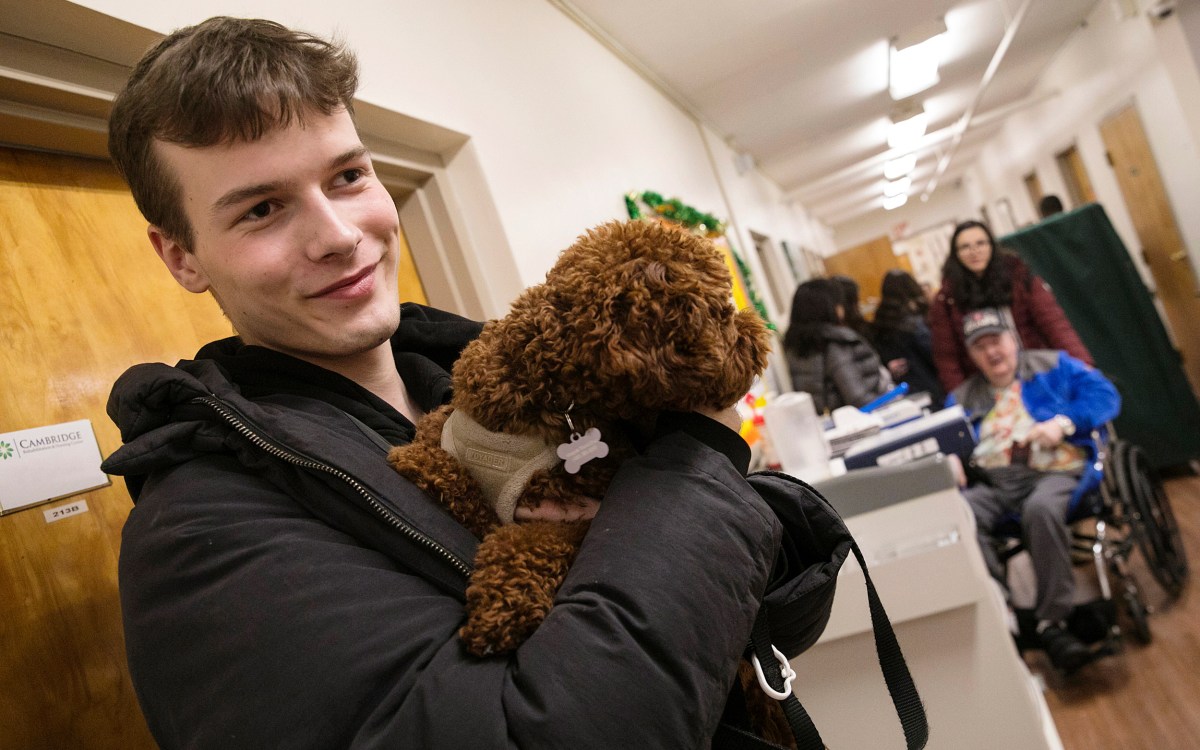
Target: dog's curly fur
{"x":635,"y":318}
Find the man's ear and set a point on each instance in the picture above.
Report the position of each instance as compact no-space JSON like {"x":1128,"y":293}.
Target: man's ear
{"x":182,"y":264}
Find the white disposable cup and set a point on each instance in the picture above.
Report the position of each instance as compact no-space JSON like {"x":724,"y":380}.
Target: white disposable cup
{"x":798,"y":436}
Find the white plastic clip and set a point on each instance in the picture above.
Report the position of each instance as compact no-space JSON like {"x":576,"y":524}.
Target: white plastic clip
{"x":785,"y":671}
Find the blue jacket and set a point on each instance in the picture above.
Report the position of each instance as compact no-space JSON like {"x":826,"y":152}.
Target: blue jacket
{"x":1052,"y":382}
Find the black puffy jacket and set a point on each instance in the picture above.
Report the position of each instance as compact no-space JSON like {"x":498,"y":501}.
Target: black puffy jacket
{"x":845,"y":370}
{"x":282,"y":587}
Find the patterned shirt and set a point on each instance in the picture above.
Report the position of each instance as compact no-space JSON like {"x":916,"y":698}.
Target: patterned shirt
{"x":1008,"y":423}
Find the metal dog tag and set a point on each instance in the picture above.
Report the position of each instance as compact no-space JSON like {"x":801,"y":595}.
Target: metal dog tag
{"x":581,"y":449}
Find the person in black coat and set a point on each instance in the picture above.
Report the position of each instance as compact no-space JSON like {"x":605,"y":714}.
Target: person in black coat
{"x":281,"y":585}
{"x":901,"y":335}
{"x":826,"y":358}
{"x":850,"y":310}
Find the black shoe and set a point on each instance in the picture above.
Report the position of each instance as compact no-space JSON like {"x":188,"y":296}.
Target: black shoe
{"x":1067,"y":653}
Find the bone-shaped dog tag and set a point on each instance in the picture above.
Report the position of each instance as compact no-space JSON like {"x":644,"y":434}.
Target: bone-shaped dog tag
{"x":582,"y":449}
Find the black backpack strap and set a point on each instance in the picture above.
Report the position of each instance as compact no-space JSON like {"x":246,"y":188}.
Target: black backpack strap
{"x":895,"y":673}
{"x":769,"y":664}
{"x":895,"y":669}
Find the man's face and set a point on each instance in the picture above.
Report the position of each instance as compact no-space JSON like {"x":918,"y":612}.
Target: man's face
{"x":295,"y":237}
{"x":995,"y":354}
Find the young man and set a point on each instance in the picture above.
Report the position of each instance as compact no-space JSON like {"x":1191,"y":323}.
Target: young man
{"x":281,"y":586}
{"x":1033,"y":413}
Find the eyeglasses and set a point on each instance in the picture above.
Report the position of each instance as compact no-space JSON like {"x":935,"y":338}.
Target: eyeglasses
{"x":976,"y":245}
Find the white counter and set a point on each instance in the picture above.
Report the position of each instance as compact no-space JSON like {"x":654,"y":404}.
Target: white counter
{"x":949,"y":619}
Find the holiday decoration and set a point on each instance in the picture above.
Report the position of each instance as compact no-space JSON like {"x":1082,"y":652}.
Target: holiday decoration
{"x":676,"y":211}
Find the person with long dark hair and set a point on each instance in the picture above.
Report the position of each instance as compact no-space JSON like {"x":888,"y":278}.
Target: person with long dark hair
{"x":978,"y":274}
{"x":901,"y":336}
{"x":825,"y":357}
{"x":851,"y":312}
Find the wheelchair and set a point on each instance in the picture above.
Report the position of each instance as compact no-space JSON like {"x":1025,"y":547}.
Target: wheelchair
{"x":1127,"y":512}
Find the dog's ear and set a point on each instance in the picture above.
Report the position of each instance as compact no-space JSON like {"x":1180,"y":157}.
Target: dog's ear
{"x":746,"y":357}
{"x":510,"y":378}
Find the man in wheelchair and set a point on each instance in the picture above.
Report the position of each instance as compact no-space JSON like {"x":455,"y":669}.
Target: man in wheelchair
{"x":1033,"y":413}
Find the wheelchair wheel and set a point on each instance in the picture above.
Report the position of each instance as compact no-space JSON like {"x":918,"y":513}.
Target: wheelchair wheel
{"x":1157,"y":533}
{"x":1135,"y":608}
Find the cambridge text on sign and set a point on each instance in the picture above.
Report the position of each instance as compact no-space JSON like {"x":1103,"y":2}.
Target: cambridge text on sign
{"x":47,"y":463}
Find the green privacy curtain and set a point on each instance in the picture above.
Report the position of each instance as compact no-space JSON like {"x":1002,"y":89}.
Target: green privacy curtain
{"x":1094,"y":279}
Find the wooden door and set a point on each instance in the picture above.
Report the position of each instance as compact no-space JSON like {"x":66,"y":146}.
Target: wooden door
{"x":1153,"y":219}
{"x":1074,"y":173}
{"x":411,"y":288}
{"x":867,"y":263}
{"x":1033,"y":186}
{"x":82,"y":297}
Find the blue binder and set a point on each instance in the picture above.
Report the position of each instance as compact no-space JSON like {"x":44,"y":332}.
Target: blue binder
{"x":946,"y":431}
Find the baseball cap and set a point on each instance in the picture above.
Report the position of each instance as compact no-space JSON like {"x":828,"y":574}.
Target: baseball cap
{"x":987,"y":320}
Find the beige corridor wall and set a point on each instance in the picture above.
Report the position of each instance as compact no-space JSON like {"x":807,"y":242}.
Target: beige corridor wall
{"x":1106,"y":64}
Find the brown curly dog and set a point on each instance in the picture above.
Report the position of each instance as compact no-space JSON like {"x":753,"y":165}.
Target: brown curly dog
{"x":635,"y":318}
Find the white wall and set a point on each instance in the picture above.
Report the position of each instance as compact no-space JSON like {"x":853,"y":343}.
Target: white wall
{"x":756,"y":204}
{"x":1107,"y":65}
{"x":561,"y":127}
{"x":950,"y":202}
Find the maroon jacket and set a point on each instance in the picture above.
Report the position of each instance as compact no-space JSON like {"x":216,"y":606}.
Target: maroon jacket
{"x":1041,"y":324}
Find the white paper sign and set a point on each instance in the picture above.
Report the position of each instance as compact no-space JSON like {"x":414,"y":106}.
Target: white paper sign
{"x":47,"y":463}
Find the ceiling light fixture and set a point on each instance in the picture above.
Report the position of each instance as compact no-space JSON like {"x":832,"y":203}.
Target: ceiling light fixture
{"x":913,"y":59}
{"x":897,"y":168}
{"x":896,"y":201}
{"x":908,"y":125}
{"x":897,"y":187}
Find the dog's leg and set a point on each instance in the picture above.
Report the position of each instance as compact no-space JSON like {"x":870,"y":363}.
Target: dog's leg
{"x":518,"y":570}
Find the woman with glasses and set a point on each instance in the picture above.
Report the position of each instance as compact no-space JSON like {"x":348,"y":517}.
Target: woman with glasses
{"x":976,"y":275}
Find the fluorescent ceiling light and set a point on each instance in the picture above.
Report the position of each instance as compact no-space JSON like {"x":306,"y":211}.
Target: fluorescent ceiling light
{"x":897,"y":187}
{"x":896,"y":201}
{"x":914,"y":69}
{"x":913,"y":59}
{"x":897,"y":168}
{"x":907,"y":129}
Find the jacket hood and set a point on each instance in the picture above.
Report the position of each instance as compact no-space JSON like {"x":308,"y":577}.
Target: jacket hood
{"x":147,"y":403}
{"x":163,"y":419}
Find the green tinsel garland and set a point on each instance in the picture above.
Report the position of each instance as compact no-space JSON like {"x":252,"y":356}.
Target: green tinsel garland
{"x":750,"y":290}
{"x":710,"y":226}
{"x":677,"y":211}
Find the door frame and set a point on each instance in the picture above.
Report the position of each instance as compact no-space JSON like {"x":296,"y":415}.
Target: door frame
{"x":57,"y":83}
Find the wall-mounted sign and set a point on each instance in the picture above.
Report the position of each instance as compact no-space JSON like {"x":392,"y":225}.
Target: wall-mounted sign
{"x":47,"y":463}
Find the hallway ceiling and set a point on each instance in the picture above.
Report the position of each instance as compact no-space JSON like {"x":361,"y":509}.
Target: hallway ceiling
{"x":802,"y":85}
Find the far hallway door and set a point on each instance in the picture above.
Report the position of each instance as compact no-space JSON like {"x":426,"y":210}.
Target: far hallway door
{"x":1162,"y":246}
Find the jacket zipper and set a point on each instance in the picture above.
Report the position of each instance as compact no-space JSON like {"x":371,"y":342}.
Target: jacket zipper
{"x":238,"y":423}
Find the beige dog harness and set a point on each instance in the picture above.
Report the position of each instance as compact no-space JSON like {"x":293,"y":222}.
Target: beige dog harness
{"x":501,"y":463}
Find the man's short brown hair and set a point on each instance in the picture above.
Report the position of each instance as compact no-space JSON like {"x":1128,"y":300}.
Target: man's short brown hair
{"x":220,"y":81}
